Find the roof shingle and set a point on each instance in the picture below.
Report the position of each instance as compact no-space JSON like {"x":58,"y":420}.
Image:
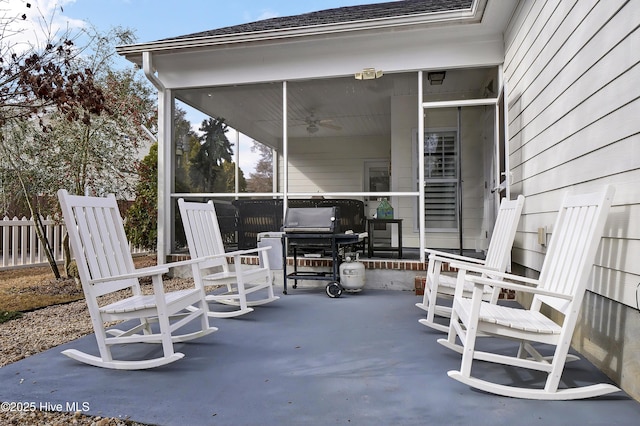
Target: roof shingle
{"x":339,"y":15}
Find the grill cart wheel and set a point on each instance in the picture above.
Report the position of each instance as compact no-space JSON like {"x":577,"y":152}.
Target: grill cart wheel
{"x":334,"y":289}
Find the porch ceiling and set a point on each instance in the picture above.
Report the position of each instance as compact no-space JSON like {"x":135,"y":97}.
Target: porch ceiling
{"x":340,"y":107}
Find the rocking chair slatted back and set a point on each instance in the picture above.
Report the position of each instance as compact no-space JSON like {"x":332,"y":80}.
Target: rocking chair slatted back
{"x":503,"y":234}
{"x":203,"y":234}
{"x":572,"y":249}
{"x":99,"y":244}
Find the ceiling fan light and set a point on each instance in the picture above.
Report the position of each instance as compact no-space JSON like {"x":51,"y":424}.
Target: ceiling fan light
{"x":368,"y":74}
{"x":312,"y":128}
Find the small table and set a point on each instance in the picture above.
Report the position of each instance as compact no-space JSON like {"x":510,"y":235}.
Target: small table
{"x":371,"y":231}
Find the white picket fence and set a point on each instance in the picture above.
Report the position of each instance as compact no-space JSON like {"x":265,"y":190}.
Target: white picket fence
{"x":21,"y":247}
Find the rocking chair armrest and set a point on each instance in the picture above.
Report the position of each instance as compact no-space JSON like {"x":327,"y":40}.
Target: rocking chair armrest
{"x":247,"y":251}
{"x":154,"y":270}
{"x":138,"y":273}
{"x":482,"y":281}
{"x":495,"y":274}
{"x":449,"y":257}
{"x":189,"y":262}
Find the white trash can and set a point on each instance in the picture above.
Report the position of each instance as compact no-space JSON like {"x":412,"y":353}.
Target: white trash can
{"x":273,"y":239}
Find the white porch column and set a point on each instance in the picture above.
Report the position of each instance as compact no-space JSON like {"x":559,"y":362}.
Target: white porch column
{"x":285,"y":149}
{"x":421,"y":200}
{"x":236,"y":170}
{"x":496,"y":145}
{"x":275,"y":171}
{"x":507,"y":152}
{"x":165,"y":173}
{"x":165,"y":159}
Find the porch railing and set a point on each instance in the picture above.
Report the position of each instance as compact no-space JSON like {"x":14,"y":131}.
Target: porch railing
{"x":20,"y":246}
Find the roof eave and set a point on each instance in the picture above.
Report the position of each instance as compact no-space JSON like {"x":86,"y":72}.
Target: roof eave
{"x":466,"y":16}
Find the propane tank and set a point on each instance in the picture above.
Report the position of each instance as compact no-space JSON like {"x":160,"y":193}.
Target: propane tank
{"x":352,"y":275}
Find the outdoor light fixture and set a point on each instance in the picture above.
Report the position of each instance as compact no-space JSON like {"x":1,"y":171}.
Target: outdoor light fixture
{"x":436,"y":78}
{"x":368,"y":74}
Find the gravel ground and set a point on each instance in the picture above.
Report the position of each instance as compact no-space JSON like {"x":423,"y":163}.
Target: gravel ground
{"x":33,"y":333}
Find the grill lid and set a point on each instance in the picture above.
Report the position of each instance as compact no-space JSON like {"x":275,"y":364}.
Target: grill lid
{"x":310,"y":219}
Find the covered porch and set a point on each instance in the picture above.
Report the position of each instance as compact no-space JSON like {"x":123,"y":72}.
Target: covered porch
{"x":441,"y":175}
{"x":416,"y":117}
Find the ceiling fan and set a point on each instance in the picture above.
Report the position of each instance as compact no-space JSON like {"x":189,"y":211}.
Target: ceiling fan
{"x":313,"y":124}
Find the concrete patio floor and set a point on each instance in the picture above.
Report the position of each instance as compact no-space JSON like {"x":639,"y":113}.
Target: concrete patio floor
{"x":306,"y":359}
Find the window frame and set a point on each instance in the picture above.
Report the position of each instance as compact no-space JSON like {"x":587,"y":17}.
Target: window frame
{"x":452,"y":180}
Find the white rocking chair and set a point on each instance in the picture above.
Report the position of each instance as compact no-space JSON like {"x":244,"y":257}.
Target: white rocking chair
{"x":561,"y":287}
{"x":497,"y":259}
{"x":205,"y":242}
{"x":105,"y":266}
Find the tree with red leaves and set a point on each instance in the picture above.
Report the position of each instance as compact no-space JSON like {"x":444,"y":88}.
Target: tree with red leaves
{"x":33,"y":81}
{"x":67,"y":119}
{"x":34,"y":78}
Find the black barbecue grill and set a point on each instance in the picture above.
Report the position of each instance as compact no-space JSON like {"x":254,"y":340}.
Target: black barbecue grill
{"x":311,"y":220}
{"x":313,"y":227}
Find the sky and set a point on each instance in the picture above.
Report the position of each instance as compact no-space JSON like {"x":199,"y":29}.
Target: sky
{"x":157,"y":19}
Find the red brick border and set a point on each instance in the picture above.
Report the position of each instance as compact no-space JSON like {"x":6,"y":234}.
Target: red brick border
{"x":400,"y":265}
{"x":397,"y":265}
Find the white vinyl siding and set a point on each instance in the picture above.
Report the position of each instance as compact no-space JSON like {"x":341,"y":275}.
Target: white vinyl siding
{"x":572,"y":69}
{"x":332,"y":164}
{"x":573,"y":124}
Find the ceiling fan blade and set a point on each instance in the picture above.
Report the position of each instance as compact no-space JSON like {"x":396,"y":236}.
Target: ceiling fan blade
{"x":330,"y":126}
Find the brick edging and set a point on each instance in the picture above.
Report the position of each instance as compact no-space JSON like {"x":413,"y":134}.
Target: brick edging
{"x":391,"y":264}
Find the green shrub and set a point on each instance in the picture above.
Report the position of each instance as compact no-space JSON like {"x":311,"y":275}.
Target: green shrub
{"x":141,"y":222}
{"x":9,"y":315}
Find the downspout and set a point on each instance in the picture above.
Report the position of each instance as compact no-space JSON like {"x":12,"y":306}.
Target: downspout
{"x":164,"y":159}
{"x":147,"y":67}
